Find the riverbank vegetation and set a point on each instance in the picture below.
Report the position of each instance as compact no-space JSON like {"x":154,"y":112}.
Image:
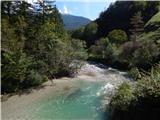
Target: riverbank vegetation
{"x":138,"y":102}
{"x":35,"y":46}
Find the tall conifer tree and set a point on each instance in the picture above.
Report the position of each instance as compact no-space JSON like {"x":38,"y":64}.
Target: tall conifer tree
{"x":137,"y":26}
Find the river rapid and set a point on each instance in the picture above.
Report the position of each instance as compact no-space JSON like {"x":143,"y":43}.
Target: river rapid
{"x":84,"y":97}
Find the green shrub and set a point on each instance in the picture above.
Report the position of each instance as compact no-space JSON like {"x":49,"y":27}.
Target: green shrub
{"x":15,"y":67}
{"x":140,"y":101}
{"x":19,"y":72}
{"x":117,"y":36}
{"x":145,"y":55}
{"x":128,"y":48}
{"x":99,"y":49}
{"x":78,"y":49}
{"x":33,"y":79}
{"x":78,"y":33}
{"x":149,"y":85}
{"x":103,"y":49}
{"x":123,"y":97}
{"x":90,"y":32}
{"x":134,"y":73}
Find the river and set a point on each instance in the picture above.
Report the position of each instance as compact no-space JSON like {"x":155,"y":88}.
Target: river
{"x":84,"y":97}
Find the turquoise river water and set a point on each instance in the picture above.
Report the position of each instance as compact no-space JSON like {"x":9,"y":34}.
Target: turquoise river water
{"x":82,"y":104}
{"x":84,"y":100}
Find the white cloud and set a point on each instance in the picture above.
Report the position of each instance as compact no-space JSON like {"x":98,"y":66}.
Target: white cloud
{"x":65,"y":10}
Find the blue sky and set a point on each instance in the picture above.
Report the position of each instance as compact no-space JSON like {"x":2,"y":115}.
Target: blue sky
{"x":86,"y":8}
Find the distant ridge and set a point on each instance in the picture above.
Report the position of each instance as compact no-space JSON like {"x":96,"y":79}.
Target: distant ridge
{"x":72,"y":22}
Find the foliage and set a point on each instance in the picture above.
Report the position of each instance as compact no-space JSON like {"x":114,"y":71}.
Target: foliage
{"x":106,"y":52}
{"x":154,"y":20}
{"x":33,"y":79}
{"x":102,"y":49}
{"x":90,"y":29}
{"x":78,"y":49}
{"x":114,"y":17}
{"x":123,"y":97}
{"x":117,"y":36}
{"x":90,"y":32}
{"x":78,"y":33}
{"x":137,"y":25}
{"x":135,"y":73}
{"x":145,"y":55}
{"x":15,"y":67}
{"x":35,"y":46}
{"x":8,"y":36}
{"x":151,"y":35}
{"x":78,"y":54}
{"x":149,"y":85}
{"x":145,"y":95}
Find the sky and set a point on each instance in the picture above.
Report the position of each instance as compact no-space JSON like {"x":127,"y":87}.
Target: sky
{"x":87,"y":8}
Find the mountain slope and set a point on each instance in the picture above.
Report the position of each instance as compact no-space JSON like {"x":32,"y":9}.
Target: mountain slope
{"x":152,"y":30}
{"x":72,"y":22}
{"x":118,"y":15}
{"x":154,"y":22}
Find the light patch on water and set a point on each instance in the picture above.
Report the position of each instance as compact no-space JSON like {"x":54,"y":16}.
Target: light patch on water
{"x":108,"y":89}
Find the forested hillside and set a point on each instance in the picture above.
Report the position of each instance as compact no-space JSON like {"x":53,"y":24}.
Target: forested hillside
{"x":35,"y":46}
{"x":118,"y":15}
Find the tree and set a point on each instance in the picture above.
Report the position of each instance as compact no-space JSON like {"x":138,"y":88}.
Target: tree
{"x":78,"y":33}
{"x":14,"y":24}
{"x":90,"y":32}
{"x":137,"y":26}
{"x":117,"y":36}
{"x":103,"y":49}
{"x":8,"y":38}
{"x":144,"y":56}
{"x":15,"y":68}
